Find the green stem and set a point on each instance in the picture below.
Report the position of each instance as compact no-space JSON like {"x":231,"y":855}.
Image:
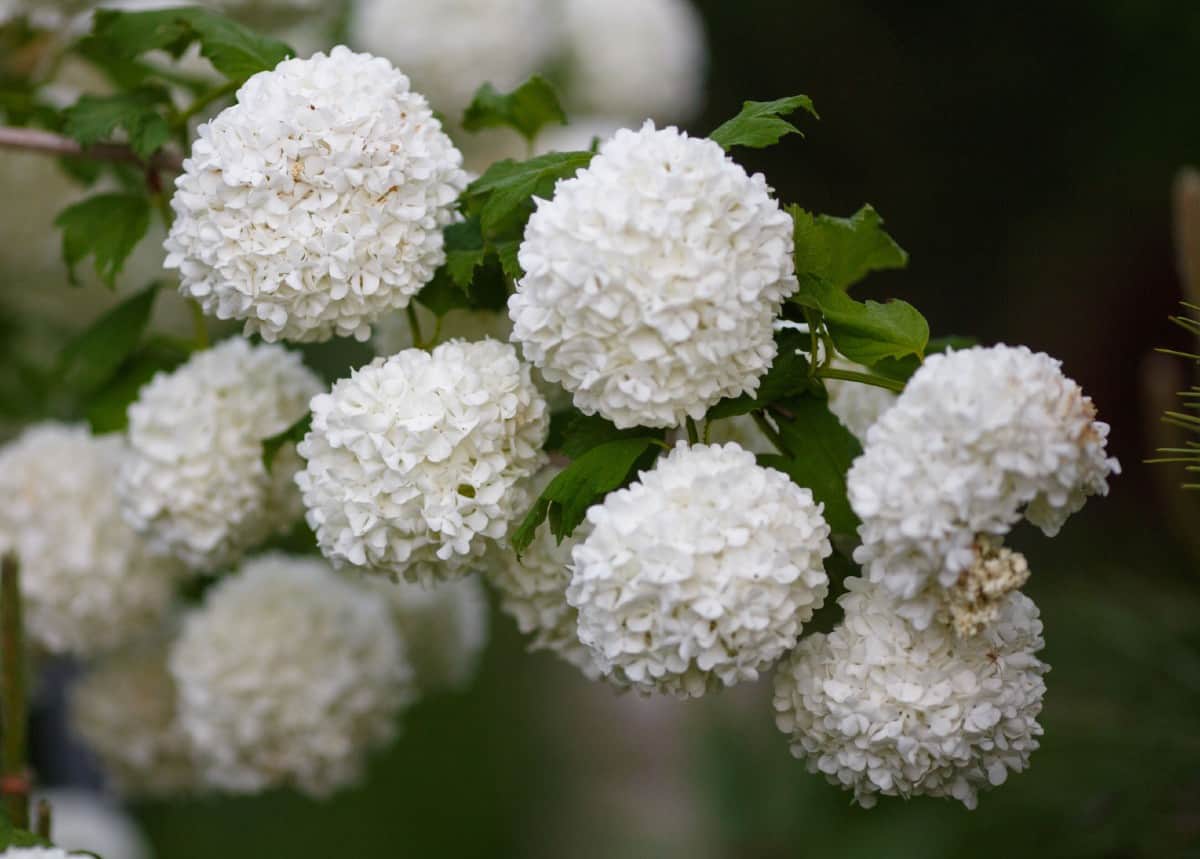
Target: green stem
{"x":437,"y":332}
{"x":414,"y":325}
{"x":770,"y":432}
{"x":863,"y":378}
{"x":181,"y":119}
{"x":693,"y":433}
{"x":199,"y":326}
{"x":14,"y":776}
{"x":707,"y":431}
{"x":43,"y":819}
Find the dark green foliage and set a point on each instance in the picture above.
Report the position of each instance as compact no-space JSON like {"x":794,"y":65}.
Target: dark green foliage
{"x":527,"y":109}
{"x":105,"y":226}
{"x":761,"y":123}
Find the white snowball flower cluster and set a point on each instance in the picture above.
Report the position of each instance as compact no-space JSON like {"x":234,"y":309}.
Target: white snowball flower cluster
{"x":452,"y":47}
{"x":701,"y":573}
{"x":316,"y":204}
{"x":89,"y":821}
{"x":416,"y":462}
{"x":194,"y":482}
{"x":635,"y":58}
{"x":856,"y":405}
{"x":444,"y":627}
{"x":653,"y":279}
{"x":124,"y":710}
{"x":882,"y":708}
{"x":88,"y":582}
{"x":977,"y":438}
{"x":289,"y":675}
{"x":533,"y":591}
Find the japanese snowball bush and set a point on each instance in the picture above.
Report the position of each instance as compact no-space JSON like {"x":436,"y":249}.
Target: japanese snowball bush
{"x":978,"y":439}
{"x":88,"y":582}
{"x":194,"y":482}
{"x":289,"y":675}
{"x":701,"y":574}
{"x":315,"y":204}
{"x":416,"y":462}
{"x":879,"y":707}
{"x":653,"y":279}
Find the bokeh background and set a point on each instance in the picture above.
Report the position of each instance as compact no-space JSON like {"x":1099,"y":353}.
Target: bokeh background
{"x":1024,"y":156}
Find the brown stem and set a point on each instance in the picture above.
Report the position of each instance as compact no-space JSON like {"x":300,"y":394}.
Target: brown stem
{"x":14,"y":776}
{"x":49,"y":143}
{"x":42,"y":819}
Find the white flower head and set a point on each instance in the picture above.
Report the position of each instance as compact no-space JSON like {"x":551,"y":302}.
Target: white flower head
{"x":452,"y":47}
{"x":194,"y":482}
{"x":635,"y":58}
{"x":533,"y":590}
{"x":444,"y":627}
{"x":879,"y":707}
{"x":978,"y":438}
{"x":653,"y":279}
{"x":88,"y":582}
{"x":124,"y":710}
{"x":289,"y":675}
{"x":316,"y":204}
{"x":84,"y":820}
{"x":700,"y":574}
{"x":416,"y":462}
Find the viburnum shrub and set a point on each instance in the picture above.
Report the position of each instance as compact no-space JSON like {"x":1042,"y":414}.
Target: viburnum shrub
{"x":692,"y":411}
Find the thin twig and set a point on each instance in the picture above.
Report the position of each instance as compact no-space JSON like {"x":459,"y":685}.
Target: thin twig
{"x":43,"y":819}
{"x":49,"y":143}
{"x":14,"y":775}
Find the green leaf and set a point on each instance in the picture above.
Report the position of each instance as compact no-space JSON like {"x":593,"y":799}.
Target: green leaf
{"x":788,"y":377}
{"x":581,"y":484}
{"x":442,"y":294}
{"x":901,"y":369}
{"x":106,"y":409}
{"x":527,"y":109}
{"x":820,"y":452}
{"x":464,"y":250}
{"x":92,"y":358}
{"x":502,"y":196}
{"x":106,"y":226}
{"x":866,"y":332}
{"x":842,"y":251}
{"x":11,"y":836}
{"x":294,"y":434}
{"x":761,"y":124}
{"x":94,"y":118}
{"x":583,"y":432}
{"x":507,"y":252}
{"x":235,"y":51}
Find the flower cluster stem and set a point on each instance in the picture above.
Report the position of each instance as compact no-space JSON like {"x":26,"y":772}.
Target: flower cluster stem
{"x":863,"y":378}
{"x":14,"y":774}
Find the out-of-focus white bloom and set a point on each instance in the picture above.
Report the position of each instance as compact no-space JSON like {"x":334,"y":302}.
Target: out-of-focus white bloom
{"x":701,"y":573}
{"x":882,"y":708}
{"x":124,"y":709}
{"x":742,"y":431}
{"x":289,"y":675}
{"x":452,"y":47}
{"x":856,"y":405}
{"x":977,"y":438}
{"x":533,"y":590}
{"x":416,"y":461}
{"x":636,"y":58}
{"x":83,"y":820}
{"x":484,"y":148}
{"x":88,"y":582}
{"x":315,"y":204}
{"x":194,"y":482}
{"x":444,"y":627}
{"x":393,"y":334}
{"x":40,"y":853}
{"x":653,"y":279}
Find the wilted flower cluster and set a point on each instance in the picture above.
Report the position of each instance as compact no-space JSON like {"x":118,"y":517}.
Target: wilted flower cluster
{"x":315,"y":204}
{"x":653,"y":279}
{"x":978,"y":439}
{"x":415,"y":462}
{"x":194,"y":482}
{"x":88,"y":581}
{"x":700,"y":574}
{"x":882,"y":708}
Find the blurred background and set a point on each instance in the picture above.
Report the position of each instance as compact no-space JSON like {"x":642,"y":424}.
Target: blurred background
{"x":1025,"y":158}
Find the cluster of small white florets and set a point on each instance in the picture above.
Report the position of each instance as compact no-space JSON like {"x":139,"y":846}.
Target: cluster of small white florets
{"x":978,"y":438}
{"x":88,"y":582}
{"x":653,"y":279}
{"x":882,"y":708}
{"x":289,"y":675}
{"x":533,"y":591}
{"x":416,"y":462}
{"x":315,"y":204}
{"x":194,"y":482}
{"x":124,"y":709}
{"x":700,"y":574}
